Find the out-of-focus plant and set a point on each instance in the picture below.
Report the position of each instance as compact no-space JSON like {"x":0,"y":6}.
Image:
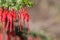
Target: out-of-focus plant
{"x":41,"y":35}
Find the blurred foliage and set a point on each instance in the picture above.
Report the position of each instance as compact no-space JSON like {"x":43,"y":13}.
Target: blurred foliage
{"x":41,"y":35}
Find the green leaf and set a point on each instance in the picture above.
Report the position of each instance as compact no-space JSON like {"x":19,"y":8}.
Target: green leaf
{"x":5,"y":5}
{"x":17,"y":7}
{"x":3,"y":1}
{"x":13,"y":1}
{"x":30,"y":4}
{"x":25,"y":1}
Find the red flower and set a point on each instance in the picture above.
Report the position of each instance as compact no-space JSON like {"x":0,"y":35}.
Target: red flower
{"x":1,"y":11}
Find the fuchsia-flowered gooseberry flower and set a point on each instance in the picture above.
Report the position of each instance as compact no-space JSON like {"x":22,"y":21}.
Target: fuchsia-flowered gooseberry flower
{"x":13,"y":14}
{"x":19,"y":13}
{"x":5,"y":13}
{"x":11,"y":17}
{"x":4,"y":16}
{"x":26,"y":18}
{"x":1,"y":11}
{"x":23,"y":15}
{"x":20,"y":18}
